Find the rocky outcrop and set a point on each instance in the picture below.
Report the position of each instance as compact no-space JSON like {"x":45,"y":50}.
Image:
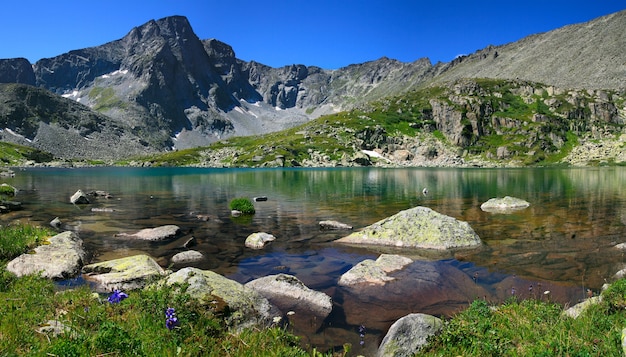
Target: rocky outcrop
{"x":128,"y":273}
{"x":16,"y":70}
{"x":155,"y":234}
{"x":247,"y":307}
{"x":408,"y":334}
{"x":258,"y":240}
{"x":418,"y":227}
{"x":504,"y":204}
{"x":374,"y":272}
{"x":61,"y":258}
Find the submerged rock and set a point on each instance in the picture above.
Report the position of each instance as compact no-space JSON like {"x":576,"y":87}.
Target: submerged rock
{"x":504,"y":204}
{"x":62,"y":258}
{"x":247,"y":307}
{"x":418,"y":227}
{"x":127,"y":273}
{"x":408,"y":334}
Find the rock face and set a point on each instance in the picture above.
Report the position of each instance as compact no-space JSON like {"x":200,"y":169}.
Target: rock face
{"x":154,"y":234}
{"x":128,"y":273}
{"x":16,"y":70}
{"x":418,"y":227}
{"x":374,"y":272}
{"x":248,"y":308}
{"x":258,"y":240}
{"x":505,"y":204}
{"x":61,"y":259}
{"x":408,"y":334}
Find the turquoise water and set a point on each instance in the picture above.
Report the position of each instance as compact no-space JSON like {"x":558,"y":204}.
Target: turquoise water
{"x":563,"y":242}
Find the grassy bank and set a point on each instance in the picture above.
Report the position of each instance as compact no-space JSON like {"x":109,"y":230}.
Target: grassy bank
{"x":138,"y":323}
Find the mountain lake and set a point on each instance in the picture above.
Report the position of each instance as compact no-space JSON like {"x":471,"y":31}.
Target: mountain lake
{"x":558,"y":248}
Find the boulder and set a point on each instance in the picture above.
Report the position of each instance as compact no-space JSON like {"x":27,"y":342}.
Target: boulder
{"x":579,"y":308}
{"x":258,"y":240}
{"x":62,"y":258}
{"x":334,"y":225}
{"x":504,"y":204}
{"x":189,"y":256}
{"x":247,"y":307}
{"x":79,"y":197}
{"x":154,"y":234}
{"x":127,"y":273}
{"x":418,"y":227}
{"x":56,"y":223}
{"x":408,"y":334}
{"x":288,"y":293}
{"x":374,"y":271}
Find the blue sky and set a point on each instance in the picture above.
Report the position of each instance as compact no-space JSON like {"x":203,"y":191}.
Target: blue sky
{"x":326,"y":33}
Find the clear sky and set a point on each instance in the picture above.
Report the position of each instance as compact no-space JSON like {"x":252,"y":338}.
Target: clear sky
{"x":325,"y":33}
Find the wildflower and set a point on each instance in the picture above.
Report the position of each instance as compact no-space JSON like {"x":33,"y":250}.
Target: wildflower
{"x":171,"y":320}
{"x":362,"y":335}
{"x":513,"y":291}
{"x":117,"y":296}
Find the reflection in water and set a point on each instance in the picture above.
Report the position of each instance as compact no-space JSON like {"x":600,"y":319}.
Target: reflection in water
{"x":564,"y":242}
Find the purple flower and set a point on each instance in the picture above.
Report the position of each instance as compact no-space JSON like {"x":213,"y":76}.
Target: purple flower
{"x":171,"y":320}
{"x":362,"y":335}
{"x":117,"y":296}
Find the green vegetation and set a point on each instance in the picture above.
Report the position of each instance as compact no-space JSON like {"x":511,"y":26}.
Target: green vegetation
{"x":242,"y":204}
{"x":13,"y":154}
{"x":105,"y":99}
{"x":534,"y":328}
{"x":20,"y":238}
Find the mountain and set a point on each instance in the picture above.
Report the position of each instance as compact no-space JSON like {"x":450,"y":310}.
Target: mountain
{"x":162,"y":88}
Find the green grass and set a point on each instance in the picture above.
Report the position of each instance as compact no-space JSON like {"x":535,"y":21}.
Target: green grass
{"x":242,"y":204}
{"x":20,"y":238}
{"x":532,"y":328}
{"x":13,"y":154}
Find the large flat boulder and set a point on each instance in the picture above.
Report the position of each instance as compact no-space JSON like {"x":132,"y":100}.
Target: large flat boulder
{"x":61,"y":258}
{"x":128,"y":273}
{"x":418,"y":227}
{"x":155,"y":234}
{"x":247,"y":307}
{"x":289,"y":294}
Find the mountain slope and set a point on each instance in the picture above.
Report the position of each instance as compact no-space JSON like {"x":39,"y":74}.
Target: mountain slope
{"x":164,"y":85}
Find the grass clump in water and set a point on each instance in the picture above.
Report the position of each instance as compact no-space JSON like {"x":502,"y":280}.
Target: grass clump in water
{"x":243,"y":205}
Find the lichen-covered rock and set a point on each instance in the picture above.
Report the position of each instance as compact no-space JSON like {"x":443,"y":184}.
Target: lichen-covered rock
{"x":127,"y":273}
{"x":62,"y":258}
{"x":258,"y":240}
{"x":504,"y":204}
{"x":418,"y":227}
{"x":247,"y":307}
{"x":374,"y":271}
{"x":408,"y":334}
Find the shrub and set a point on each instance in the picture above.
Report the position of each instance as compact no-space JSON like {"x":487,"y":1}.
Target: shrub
{"x":243,"y":205}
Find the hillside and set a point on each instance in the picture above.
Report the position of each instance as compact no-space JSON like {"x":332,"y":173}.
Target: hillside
{"x":160,"y":88}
